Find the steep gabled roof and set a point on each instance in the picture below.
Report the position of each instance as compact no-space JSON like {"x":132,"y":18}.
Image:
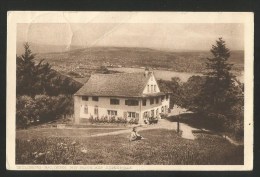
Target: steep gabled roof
{"x":120,"y":84}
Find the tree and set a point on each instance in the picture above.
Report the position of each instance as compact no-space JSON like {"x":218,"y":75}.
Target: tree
{"x":31,"y":77}
{"x":217,"y":96}
{"x":173,"y":87}
{"x":190,"y":92}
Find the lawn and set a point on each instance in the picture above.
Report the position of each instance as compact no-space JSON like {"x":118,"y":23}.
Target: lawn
{"x":54,"y":132}
{"x":161,"y":147}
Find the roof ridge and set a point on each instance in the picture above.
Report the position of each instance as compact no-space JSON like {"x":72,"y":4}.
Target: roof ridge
{"x":128,"y":84}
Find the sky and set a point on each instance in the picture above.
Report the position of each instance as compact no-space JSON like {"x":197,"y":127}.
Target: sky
{"x":170,"y":36}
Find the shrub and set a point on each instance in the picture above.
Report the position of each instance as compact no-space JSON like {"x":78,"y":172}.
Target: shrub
{"x":133,"y":121}
{"x":25,"y":111}
{"x":121,"y":120}
{"x":112,"y":119}
{"x":41,"y":108}
{"x":91,"y":119}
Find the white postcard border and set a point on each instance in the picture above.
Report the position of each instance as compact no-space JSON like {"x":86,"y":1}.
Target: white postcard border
{"x":15,"y":17}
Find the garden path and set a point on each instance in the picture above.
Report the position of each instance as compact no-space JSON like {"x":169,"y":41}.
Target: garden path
{"x":162,"y":124}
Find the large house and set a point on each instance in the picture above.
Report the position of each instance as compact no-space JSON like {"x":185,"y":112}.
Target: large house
{"x":125,"y":95}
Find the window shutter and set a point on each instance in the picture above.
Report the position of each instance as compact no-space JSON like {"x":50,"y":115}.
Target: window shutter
{"x":137,"y":115}
{"x":125,"y":115}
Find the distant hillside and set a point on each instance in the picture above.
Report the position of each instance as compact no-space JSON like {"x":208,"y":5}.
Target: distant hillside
{"x":85,"y":61}
{"x":89,"y":60}
{"x":42,"y":48}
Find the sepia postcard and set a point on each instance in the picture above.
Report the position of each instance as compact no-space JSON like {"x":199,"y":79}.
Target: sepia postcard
{"x":160,"y":91}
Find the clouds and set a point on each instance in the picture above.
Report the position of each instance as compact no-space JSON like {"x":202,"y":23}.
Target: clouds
{"x":173,"y":36}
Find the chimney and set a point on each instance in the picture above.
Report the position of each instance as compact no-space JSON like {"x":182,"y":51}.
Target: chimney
{"x":146,"y":71}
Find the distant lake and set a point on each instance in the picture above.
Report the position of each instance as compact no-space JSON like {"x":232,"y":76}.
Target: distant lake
{"x":167,"y":75}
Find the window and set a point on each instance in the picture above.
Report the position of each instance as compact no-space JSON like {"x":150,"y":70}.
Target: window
{"x":151,"y":101}
{"x":85,"y":109}
{"x":112,"y":113}
{"x":94,"y":98}
{"x":167,"y":96}
{"x":85,"y":98}
{"x":131,"y":102}
{"x":157,"y":100}
{"x":114,"y":101}
{"x":157,"y":111}
{"x":148,"y":88}
{"x":131,"y":114}
{"x":96,"y":110}
{"x":154,"y":88}
{"x":162,"y":109}
{"x":144,"y":102}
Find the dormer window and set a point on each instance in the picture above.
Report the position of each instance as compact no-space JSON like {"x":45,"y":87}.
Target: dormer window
{"x":154,"y":88}
{"x":148,"y":88}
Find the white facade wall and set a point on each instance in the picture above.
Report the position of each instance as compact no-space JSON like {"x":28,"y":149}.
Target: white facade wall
{"x":103,"y":105}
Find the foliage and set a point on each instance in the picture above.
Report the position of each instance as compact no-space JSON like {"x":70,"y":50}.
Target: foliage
{"x":42,"y":108}
{"x":112,"y":119}
{"x":60,"y":84}
{"x":30,"y":77}
{"x":25,"y":111}
{"x":190,"y":92}
{"x":183,"y":94}
{"x":42,"y":93}
{"x":217,"y":96}
{"x":217,"y":92}
{"x":33,"y":79}
{"x":174,"y":88}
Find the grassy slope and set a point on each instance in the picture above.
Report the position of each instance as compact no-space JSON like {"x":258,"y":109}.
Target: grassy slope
{"x":54,"y":132}
{"x":160,"y":147}
{"x":91,"y":58}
